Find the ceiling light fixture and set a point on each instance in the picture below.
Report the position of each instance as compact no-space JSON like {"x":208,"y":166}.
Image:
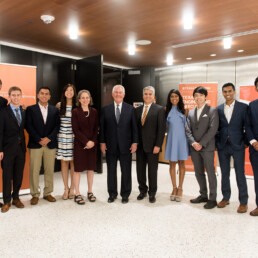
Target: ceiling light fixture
{"x":131,"y":49}
{"x":170,"y":59}
{"x":47,"y":19}
{"x":188,"y":20}
{"x":73,"y":32}
{"x":240,"y":50}
{"x":189,"y":58}
{"x":212,"y":54}
{"x":143,"y":42}
{"x":227,"y":42}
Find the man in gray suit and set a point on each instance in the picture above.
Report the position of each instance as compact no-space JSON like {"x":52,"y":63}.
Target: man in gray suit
{"x":203,"y":123}
{"x":151,"y":124}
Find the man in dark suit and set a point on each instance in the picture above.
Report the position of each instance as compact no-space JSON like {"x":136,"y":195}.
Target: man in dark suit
{"x":203,"y":123}
{"x":151,"y":123}
{"x":118,"y":140}
{"x":3,"y":101}
{"x":252,"y":136}
{"x":42,"y":124}
{"x":12,"y":148}
{"x":230,"y":142}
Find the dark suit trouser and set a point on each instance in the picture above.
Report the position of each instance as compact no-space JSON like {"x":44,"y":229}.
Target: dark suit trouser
{"x":126,"y":179}
{"x":239,"y":165}
{"x":13,"y":166}
{"x":205,"y":160}
{"x":142,"y":159}
{"x":254,"y":163}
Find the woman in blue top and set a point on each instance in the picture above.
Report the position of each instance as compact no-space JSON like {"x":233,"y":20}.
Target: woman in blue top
{"x":177,"y":149}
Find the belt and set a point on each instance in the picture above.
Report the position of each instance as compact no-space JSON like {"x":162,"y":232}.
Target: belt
{"x":19,"y":141}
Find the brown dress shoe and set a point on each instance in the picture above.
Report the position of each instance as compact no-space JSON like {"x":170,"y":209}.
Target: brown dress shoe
{"x":254,"y":212}
{"x":18,"y":203}
{"x":34,"y":200}
{"x":223,"y":204}
{"x":49,"y":198}
{"x":6,"y":207}
{"x":242,"y":208}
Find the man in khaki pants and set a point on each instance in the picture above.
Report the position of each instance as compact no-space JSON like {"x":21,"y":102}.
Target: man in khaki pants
{"x":42,"y":124}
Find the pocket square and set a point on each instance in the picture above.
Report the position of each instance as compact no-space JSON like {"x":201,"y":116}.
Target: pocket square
{"x":204,"y":115}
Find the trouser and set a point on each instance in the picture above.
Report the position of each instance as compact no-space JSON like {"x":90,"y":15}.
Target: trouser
{"x":36,"y":156}
{"x":254,"y":163}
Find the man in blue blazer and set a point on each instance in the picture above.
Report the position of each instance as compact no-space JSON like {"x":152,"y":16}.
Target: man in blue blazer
{"x":252,"y":136}
{"x":42,"y":124}
{"x":230,"y":142}
{"x":118,"y":140}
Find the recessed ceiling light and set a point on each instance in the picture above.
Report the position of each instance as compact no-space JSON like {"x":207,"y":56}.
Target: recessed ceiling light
{"x":73,"y":31}
{"x":227,"y":42}
{"x":189,"y":58}
{"x":188,"y":19}
{"x":212,"y":54}
{"x":47,"y":19}
{"x":169,"y":59}
{"x":131,"y":49}
{"x":143,"y":42}
{"x":240,"y":50}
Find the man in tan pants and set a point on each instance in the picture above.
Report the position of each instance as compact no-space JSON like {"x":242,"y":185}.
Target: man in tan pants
{"x":42,"y":124}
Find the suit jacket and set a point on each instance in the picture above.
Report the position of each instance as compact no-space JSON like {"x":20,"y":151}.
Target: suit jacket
{"x":235,"y":129}
{"x":10,"y":131}
{"x":37,"y":129}
{"x":204,"y":130}
{"x":152,"y":132}
{"x":3,"y":102}
{"x":252,"y":123}
{"x":118,"y":136}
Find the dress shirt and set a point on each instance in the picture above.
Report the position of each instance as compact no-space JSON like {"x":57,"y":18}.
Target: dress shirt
{"x":14,"y":110}
{"x":149,"y":105}
{"x":199,"y":111}
{"x":119,"y":106}
{"x":44,"y":112}
{"x":228,"y":110}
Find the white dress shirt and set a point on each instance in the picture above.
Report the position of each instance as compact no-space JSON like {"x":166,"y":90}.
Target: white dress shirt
{"x":199,"y":111}
{"x":44,"y":112}
{"x":149,"y":105}
{"x":228,"y":110}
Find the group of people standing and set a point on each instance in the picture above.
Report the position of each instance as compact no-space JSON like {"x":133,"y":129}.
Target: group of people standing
{"x":69,"y":132}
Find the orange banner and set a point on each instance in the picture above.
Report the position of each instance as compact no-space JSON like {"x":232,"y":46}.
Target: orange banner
{"x":186,"y":90}
{"x":25,"y":78}
{"x":247,"y":94}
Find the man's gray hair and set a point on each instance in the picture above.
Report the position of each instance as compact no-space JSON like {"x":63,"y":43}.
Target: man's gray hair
{"x":118,"y":86}
{"x":149,"y":88}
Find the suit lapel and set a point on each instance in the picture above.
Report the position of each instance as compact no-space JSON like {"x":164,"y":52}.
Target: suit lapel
{"x":113,"y":112}
{"x":221,"y":109}
{"x":123,"y":112}
{"x":234,"y":111}
{"x":40,"y":114}
{"x":12,"y":115}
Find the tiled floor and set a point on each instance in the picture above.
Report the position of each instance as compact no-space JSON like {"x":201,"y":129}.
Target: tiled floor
{"x":136,"y":229}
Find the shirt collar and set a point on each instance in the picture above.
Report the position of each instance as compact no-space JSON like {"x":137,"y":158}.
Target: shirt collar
{"x":45,"y":107}
{"x":13,"y":107}
{"x":201,"y":107}
{"x":231,"y":105}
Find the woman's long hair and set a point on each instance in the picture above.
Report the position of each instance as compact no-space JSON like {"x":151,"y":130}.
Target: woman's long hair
{"x":180,"y":105}
{"x":64,"y":100}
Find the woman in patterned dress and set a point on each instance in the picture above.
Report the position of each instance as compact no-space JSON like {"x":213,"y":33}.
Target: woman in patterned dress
{"x":66,"y":138}
{"x":177,"y":149}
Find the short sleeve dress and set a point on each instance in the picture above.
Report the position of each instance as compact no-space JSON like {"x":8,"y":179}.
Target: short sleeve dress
{"x":176,"y":146}
{"x":65,"y":137}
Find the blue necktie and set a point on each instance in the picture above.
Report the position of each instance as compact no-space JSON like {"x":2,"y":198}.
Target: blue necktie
{"x":117,"y":113}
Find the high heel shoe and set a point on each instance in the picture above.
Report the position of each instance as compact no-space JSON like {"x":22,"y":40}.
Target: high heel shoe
{"x":65,"y":195}
{"x":71,"y":193}
{"x":173,"y":195}
{"x":179,"y":197}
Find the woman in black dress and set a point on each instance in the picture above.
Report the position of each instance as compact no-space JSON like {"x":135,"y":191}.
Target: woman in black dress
{"x":85,"y":128}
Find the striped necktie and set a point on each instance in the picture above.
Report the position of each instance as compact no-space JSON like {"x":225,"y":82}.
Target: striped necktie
{"x":144,"y":115}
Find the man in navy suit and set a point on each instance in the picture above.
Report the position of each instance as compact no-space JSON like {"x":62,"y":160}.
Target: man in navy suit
{"x":42,"y":124}
{"x":118,"y":140}
{"x":252,"y":136}
{"x":3,"y":101}
{"x":230,"y":142}
{"x":12,"y":148}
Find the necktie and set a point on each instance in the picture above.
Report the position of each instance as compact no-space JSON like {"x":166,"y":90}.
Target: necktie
{"x":18,"y":117}
{"x":117,"y":113}
{"x":144,"y":115}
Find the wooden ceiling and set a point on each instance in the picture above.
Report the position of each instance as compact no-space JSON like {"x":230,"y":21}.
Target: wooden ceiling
{"x":106,"y":27}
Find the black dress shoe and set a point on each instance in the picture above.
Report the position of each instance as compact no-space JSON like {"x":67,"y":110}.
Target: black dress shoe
{"x":199,"y":199}
{"x":141,"y":196}
{"x":210,"y":204}
{"x":111,"y":199}
{"x":125,"y":200}
{"x":152,"y":199}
